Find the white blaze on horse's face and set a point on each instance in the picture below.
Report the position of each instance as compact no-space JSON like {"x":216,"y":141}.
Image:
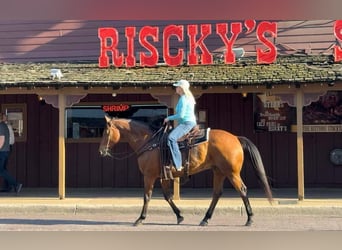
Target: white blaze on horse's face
{"x":108,"y":119}
{"x":110,"y":137}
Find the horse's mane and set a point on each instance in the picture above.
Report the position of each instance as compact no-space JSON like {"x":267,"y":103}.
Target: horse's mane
{"x":138,"y":127}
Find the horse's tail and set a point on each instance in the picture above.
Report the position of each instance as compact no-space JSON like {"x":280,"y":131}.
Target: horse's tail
{"x":257,"y":164}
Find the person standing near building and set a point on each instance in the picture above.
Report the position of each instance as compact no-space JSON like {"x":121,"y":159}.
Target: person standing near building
{"x":10,"y":129}
{"x":4,"y":153}
{"x":3,"y":117}
{"x":185,"y":117}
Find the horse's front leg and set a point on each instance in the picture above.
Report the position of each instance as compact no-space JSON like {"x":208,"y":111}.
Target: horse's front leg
{"x":147,"y":198}
{"x":148,"y":187}
{"x":165,"y":184}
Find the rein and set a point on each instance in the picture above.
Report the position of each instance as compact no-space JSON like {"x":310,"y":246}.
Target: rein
{"x":145,"y":147}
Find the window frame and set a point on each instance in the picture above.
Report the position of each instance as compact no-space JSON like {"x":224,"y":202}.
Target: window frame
{"x":8,"y":108}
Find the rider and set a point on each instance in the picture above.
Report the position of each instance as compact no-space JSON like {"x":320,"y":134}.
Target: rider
{"x":185,"y":117}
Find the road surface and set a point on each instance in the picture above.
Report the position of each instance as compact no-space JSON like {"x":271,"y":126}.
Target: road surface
{"x":167,"y":222}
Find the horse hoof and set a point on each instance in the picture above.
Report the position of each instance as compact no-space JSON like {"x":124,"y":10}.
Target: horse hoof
{"x":203,"y":223}
{"x":180,"y":220}
{"x":249,"y":223}
{"x":137,"y":223}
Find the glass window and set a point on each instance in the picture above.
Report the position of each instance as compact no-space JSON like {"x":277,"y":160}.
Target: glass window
{"x":85,"y":122}
{"x":89,"y":122}
{"x":153,"y":115}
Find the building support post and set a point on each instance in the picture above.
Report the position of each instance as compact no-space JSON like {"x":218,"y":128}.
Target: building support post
{"x":61,"y":146}
{"x":300,"y":144}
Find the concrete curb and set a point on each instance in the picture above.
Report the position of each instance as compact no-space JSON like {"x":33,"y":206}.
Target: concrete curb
{"x":112,"y":209}
{"x":193,"y":202}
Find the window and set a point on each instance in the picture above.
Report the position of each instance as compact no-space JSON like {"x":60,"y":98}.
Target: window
{"x":89,"y":121}
{"x":84,"y":122}
{"x":16,"y":117}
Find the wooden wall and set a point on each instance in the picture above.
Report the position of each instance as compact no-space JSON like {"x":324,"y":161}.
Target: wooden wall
{"x":35,"y":162}
{"x":234,"y":113}
{"x":77,"y":40}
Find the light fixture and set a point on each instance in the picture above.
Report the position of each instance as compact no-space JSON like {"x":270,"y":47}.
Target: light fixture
{"x":244,"y":94}
{"x":56,"y":73}
{"x":331,"y":84}
{"x":239,"y":52}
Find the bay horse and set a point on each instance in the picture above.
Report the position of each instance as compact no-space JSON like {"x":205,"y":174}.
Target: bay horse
{"x":223,"y":153}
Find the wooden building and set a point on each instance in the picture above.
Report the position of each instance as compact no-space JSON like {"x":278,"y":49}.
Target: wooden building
{"x":225,"y":93}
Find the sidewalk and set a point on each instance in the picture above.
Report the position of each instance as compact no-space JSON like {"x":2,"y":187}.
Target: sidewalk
{"x":40,"y":200}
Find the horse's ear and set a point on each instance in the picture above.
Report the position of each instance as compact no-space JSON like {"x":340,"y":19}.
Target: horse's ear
{"x":108,"y":119}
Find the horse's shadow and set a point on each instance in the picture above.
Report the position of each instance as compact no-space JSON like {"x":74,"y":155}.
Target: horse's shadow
{"x":55,"y":222}
{"x":51,"y":222}
{"x":164,"y":224}
{"x":167,"y":224}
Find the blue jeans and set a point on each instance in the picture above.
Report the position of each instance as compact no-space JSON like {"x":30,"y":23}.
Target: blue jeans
{"x":3,"y":170}
{"x":175,"y":134}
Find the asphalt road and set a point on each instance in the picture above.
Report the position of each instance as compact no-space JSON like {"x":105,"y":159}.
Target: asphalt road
{"x":167,"y":222}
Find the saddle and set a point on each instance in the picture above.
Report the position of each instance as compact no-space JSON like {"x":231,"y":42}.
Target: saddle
{"x":195,"y":137}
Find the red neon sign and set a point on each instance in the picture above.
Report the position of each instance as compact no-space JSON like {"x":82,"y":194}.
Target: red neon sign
{"x":115,"y":108}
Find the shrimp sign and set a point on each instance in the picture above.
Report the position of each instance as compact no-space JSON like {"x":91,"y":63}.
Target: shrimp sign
{"x":195,"y":43}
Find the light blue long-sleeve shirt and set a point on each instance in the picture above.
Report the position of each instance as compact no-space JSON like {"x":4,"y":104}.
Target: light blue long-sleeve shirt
{"x":185,"y":111}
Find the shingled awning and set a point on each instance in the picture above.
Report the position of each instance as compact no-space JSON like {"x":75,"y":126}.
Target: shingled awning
{"x":287,"y":70}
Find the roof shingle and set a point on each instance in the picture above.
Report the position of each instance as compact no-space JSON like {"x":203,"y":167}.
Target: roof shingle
{"x":287,"y":69}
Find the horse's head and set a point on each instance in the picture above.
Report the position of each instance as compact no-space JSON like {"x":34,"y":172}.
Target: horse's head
{"x":111,"y":136}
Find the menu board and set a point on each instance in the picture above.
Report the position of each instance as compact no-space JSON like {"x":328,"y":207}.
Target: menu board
{"x":277,"y":113}
{"x":272,"y":114}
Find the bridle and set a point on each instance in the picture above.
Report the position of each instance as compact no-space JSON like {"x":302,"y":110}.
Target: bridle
{"x":149,"y":145}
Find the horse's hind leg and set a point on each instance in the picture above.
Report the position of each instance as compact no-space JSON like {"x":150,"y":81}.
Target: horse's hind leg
{"x":217,"y":193}
{"x":247,"y":206}
{"x":242,"y":189}
{"x":165,"y":184}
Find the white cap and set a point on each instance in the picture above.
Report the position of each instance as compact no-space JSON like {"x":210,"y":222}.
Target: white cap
{"x":184,"y":84}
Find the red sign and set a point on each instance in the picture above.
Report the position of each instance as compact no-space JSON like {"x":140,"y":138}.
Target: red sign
{"x":109,"y":40}
{"x":265,"y":34}
{"x":115,"y":108}
{"x":338,"y":35}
